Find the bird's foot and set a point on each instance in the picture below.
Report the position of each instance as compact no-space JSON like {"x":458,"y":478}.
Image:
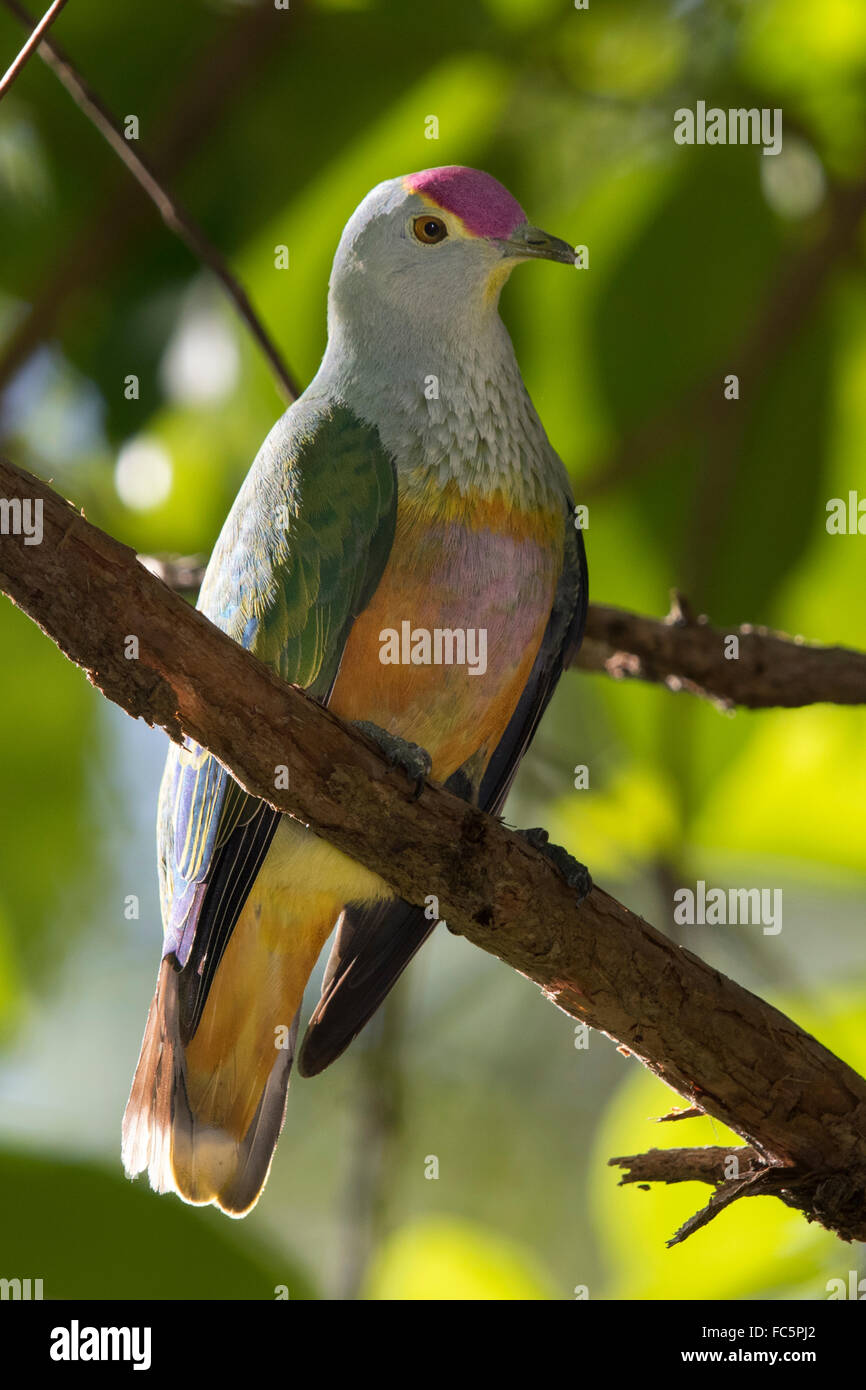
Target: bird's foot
{"x":411,"y":757}
{"x":576,"y":875}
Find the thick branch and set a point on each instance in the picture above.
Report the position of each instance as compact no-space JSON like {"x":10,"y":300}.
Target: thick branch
{"x":715,"y":1043}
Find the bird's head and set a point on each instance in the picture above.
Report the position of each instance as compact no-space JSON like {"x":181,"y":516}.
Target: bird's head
{"x":436,"y":245}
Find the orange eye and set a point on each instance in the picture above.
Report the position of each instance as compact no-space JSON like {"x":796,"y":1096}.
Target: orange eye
{"x":429,"y":229}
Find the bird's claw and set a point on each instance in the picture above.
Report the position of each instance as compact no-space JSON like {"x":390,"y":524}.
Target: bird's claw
{"x":576,"y":875}
{"x":414,"y":760}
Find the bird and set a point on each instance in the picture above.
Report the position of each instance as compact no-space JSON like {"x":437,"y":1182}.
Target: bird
{"x":410,"y":490}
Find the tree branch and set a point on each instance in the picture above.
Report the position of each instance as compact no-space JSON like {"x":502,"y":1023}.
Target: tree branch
{"x":170,"y":210}
{"x":709,"y":1164}
{"x":684,"y":652}
{"x":736,"y":1172}
{"x":718,"y":1045}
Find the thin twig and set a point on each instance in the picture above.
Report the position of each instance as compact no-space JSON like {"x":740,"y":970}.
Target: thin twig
{"x":108,"y":233}
{"x":30,"y":46}
{"x":172,"y":213}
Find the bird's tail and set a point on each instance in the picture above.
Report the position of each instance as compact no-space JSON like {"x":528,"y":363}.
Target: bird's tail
{"x":205,"y":1112}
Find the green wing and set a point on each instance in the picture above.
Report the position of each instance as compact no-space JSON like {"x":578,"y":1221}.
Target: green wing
{"x":300,"y":555}
{"x":305,"y":543}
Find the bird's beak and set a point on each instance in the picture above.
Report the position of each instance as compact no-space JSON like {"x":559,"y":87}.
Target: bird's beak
{"x":526,"y":242}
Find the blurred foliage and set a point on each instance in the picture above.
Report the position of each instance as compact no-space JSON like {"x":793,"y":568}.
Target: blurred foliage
{"x":757,"y":1244}
{"x":90,"y":1234}
{"x":270,"y":126}
{"x":447,"y":1259}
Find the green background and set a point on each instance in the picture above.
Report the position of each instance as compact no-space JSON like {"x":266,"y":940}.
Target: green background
{"x":270,"y":126}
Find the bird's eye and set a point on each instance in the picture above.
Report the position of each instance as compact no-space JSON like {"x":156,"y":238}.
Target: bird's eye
{"x":430,"y":229}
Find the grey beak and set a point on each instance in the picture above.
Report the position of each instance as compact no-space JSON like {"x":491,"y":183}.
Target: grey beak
{"x":531,"y":242}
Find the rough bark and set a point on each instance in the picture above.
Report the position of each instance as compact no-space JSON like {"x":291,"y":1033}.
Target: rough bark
{"x":685,"y":652}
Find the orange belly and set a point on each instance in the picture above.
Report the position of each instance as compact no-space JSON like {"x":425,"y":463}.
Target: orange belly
{"x":498,"y":578}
